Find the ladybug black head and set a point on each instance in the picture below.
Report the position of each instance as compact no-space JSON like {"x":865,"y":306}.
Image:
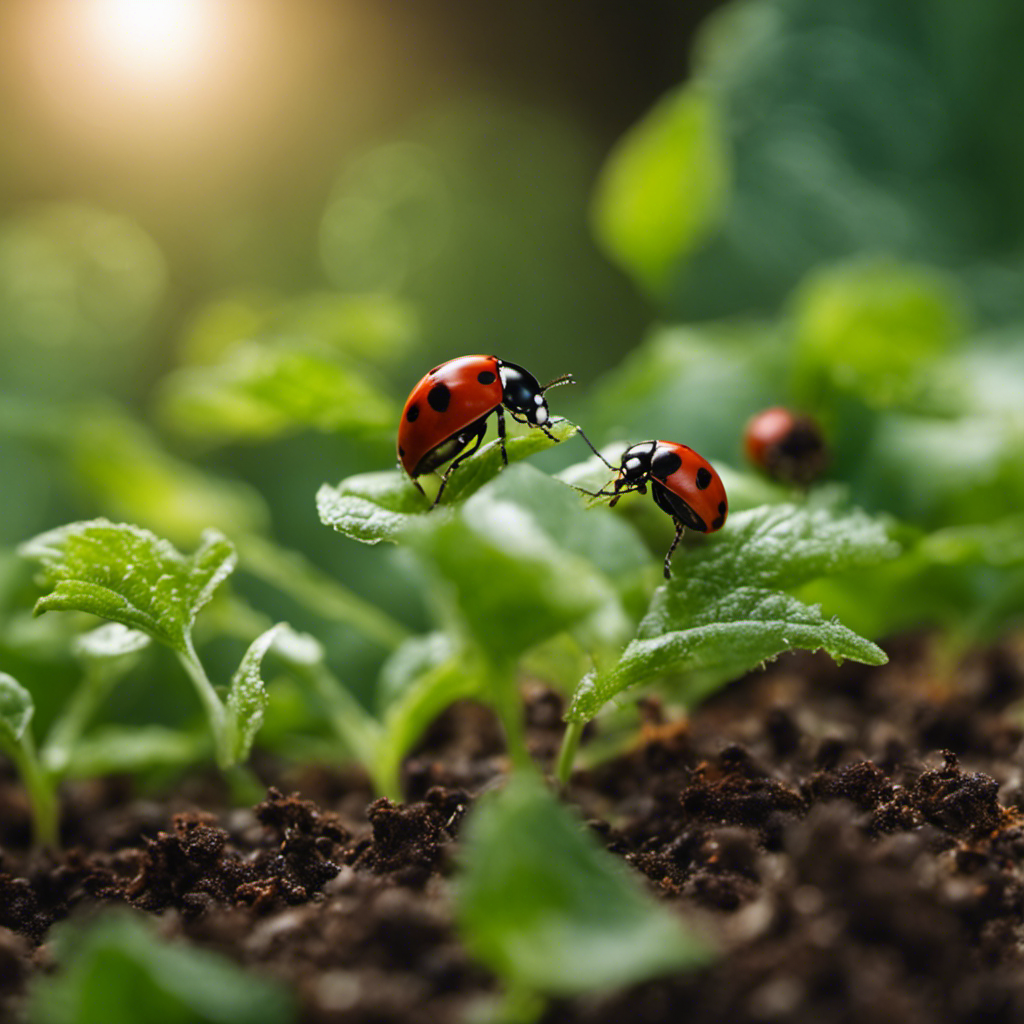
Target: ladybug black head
{"x":636,"y":467}
{"x":522,"y":395}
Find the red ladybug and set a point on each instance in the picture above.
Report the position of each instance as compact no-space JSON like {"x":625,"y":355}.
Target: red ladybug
{"x":787,"y":446}
{"x":450,"y":406}
{"x":683,"y":484}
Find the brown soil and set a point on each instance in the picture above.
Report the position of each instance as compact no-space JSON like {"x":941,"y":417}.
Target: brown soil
{"x":851,"y":837}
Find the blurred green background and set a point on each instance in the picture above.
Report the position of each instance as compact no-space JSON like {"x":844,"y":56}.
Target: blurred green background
{"x":233,"y":236}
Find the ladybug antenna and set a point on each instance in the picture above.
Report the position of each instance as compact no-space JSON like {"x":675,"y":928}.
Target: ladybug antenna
{"x":579,"y":430}
{"x":566,"y":378}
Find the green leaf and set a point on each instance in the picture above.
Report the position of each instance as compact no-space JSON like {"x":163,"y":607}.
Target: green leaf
{"x":372,"y":507}
{"x":873,"y":327}
{"x":113,"y":748}
{"x":509,"y":581}
{"x":723,"y":612}
{"x":16,"y":709}
{"x":262,"y":390}
{"x":664,"y":187}
{"x":541,"y":905}
{"x":109,"y":642}
{"x":247,"y":697}
{"x":117,"y":970}
{"x":131,"y":576}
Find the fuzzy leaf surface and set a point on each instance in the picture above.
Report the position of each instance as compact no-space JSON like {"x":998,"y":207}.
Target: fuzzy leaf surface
{"x":372,"y":507}
{"x":131,"y":576}
{"x":547,"y":910}
{"x":725,"y":610}
{"x":247,"y":696}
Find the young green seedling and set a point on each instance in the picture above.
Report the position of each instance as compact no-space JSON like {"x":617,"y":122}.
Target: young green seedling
{"x":727,"y":610}
{"x":130,"y":576}
{"x":16,"y":710}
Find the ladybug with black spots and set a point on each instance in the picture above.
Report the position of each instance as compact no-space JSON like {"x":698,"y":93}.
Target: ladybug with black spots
{"x":449,"y":409}
{"x":683,"y":484}
{"x":786,"y":446}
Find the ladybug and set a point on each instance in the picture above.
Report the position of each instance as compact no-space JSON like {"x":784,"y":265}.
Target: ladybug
{"x":683,"y":484}
{"x":787,"y":446}
{"x":450,"y":406}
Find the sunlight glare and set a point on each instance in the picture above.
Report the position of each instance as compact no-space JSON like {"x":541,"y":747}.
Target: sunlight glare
{"x":150,"y":39}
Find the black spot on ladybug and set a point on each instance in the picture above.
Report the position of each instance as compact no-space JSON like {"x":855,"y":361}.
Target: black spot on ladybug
{"x":717,"y":523}
{"x":703,"y":478}
{"x":439,"y":396}
{"x":486,"y":377}
{"x":412,"y":413}
{"x":722,"y":508}
{"x":664,"y":464}
{"x":401,"y":452}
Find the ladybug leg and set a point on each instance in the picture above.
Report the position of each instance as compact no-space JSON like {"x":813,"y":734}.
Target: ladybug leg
{"x":680,"y":528}
{"x":501,"y":435}
{"x":465,"y":455}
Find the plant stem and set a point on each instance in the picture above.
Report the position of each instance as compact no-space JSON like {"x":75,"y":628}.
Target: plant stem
{"x":293,"y":574}
{"x":567,"y":753}
{"x":40,"y":787}
{"x":509,"y":705}
{"x":215,"y":711}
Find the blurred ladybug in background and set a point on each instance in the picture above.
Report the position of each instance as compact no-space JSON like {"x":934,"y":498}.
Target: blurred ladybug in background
{"x":787,"y":446}
{"x":683,"y":484}
{"x":450,"y":406}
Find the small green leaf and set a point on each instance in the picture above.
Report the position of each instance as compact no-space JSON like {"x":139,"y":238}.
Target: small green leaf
{"x":664,"y":187}
{"x":131,"y":576}
{"x":117,"y":970}
{"x":16,"y":709}
{"x":371,"y":507}
{"x":108,"y":642}
{"x":509,"y":581}
{"x":247,"y":697}
{"x":262,"y":390}
{"x":547,"y":910}
{"x":380,"y":506}
{"x":722,"y":613}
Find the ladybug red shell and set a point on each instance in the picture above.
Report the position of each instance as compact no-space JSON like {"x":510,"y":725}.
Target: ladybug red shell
{"x":683,"y":484}
{"x":787,"y":446}
{"x":448,"y":409}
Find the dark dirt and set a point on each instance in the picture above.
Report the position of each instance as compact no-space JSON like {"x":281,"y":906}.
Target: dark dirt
{"x":852,"y":839}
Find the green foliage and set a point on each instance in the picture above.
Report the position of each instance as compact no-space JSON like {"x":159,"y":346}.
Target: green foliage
{"x":725,"y":610}
{"x":117,"y":970}
{"x":247,"y":698}
{"x":874,"y":326}
{"x":883,"y":157}
{"x":510,"y":581}
{"x":377,"y":328}
{"x":131,"y":576}
{"x":260,"y":390}
{"x":373,"y":507}
{"x":549,"y":911}
{"x":121,"y":466}
{"x":664,"y":186}
{"x":16,"y":710}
